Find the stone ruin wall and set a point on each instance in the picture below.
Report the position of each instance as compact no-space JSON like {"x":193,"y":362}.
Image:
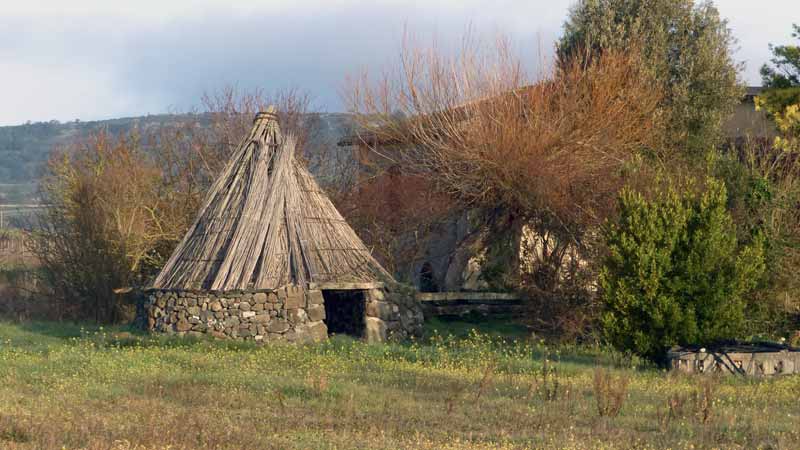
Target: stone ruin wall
{"x":289,"y":314}
{"x":391,"y":315}
{"x":752,"y":364}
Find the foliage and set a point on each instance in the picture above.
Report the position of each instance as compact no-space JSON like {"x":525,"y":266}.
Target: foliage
{"x":775,"y":101}
{"x":98,"y":232}
{"x":786,"y":118}
{"x":675,"y":273}
{"x":559,"y":279}
{"x":687,"y":48}
{"x":763,"y":179}
{"x":781,"y":98}
{"x":25,"y":149}
{"x":764,"y":190}
{"x":490,"y":137}
{"x":786,"y":62}
{"x":104,"y":388}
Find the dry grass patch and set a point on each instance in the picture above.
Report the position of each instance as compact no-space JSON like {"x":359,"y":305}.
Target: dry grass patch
{"x":92,"y":392}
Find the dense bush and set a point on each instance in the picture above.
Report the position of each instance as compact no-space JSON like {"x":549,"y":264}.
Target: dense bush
{"x":675,"y":272}
{"x":763,"y":186}
{"x":536,"y":160}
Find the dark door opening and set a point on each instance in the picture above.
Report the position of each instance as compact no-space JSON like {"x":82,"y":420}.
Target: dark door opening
{"x":427,"y":279}
{"x":345,"y":312}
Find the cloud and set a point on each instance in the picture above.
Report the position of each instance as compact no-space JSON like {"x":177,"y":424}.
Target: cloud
{"x":92,"y":59}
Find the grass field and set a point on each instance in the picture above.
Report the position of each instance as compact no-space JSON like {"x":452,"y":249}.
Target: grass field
{"x":63,"y":386}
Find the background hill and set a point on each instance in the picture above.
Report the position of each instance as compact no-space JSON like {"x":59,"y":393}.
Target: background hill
{"x":24,"y":149}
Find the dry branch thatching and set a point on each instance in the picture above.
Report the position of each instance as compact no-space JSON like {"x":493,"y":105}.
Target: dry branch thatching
{"x":265,"y":224}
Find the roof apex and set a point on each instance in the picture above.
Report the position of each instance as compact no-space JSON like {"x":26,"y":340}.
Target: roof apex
{"x":265,"y":223}
{"x":266,"y":116}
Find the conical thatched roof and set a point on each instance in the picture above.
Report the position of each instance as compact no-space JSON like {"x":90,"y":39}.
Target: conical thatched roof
{"x":265,"y":224}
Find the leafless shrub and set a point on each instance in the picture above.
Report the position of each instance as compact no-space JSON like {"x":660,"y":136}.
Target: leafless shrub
{"x":230,"y":112}
{"x":704,"y":400}
{"x":105,"y":216}
{"x":318,"y":383}
{"x":546,"y":383}
{"x":457,"y":393}
{"x":281,"y":398}
{"x":609,"y":392}
{"x":191,"y":153}
{"x":696,"y":405}
{"x":674,"y":410}
{"x":490,"y":136}
{"x":764,"y":190}
{"x":550,"y":150}
{"x":394,"y":213}
{"x":486,"y":380}
{"x":117,"y":205}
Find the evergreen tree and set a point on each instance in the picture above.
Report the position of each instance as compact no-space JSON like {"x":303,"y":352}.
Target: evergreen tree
{"x":675,"y":273}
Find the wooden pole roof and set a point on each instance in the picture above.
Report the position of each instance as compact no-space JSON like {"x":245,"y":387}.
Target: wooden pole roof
{"x":265,"y":224}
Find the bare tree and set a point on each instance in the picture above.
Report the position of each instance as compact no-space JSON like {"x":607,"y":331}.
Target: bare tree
{"x":104,"y":219}
{"x":489,"y":135}
{"x":118,"y":205}
{"x":393,"y":213}
{"x":548,"y":152}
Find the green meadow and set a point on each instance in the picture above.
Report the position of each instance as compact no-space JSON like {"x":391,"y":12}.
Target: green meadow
{"x":73,"y":387}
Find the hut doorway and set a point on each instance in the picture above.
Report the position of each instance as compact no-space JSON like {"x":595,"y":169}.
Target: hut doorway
{"x":345,"y":312}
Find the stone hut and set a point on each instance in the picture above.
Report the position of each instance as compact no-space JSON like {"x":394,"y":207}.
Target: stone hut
{"x":270,"y":258}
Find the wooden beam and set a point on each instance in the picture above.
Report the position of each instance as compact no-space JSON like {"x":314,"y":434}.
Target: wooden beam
{"x":346,"y":286}
{"x":467,"y":296}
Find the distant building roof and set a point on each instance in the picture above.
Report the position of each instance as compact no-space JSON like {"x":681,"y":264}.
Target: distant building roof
{"x":752,"y":91}
{"x":746,"y":122}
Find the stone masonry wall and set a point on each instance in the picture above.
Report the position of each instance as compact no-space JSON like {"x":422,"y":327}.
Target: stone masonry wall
{"x":392,"y":315}
{"x":290,"y":314}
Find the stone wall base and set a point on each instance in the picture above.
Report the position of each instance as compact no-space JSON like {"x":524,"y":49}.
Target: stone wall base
{"x":392,"y":315}
{"x":290,"y":314}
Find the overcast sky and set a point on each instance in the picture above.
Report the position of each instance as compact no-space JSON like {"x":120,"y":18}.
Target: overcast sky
{"x":98,"y":59}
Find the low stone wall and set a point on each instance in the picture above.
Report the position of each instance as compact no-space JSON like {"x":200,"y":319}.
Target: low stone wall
{"x":392,"y":315}
{"x":465,"y":303}
{"x":290,"y":314}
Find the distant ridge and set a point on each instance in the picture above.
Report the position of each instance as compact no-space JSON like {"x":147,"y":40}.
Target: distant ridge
{"x":24,"y":149}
